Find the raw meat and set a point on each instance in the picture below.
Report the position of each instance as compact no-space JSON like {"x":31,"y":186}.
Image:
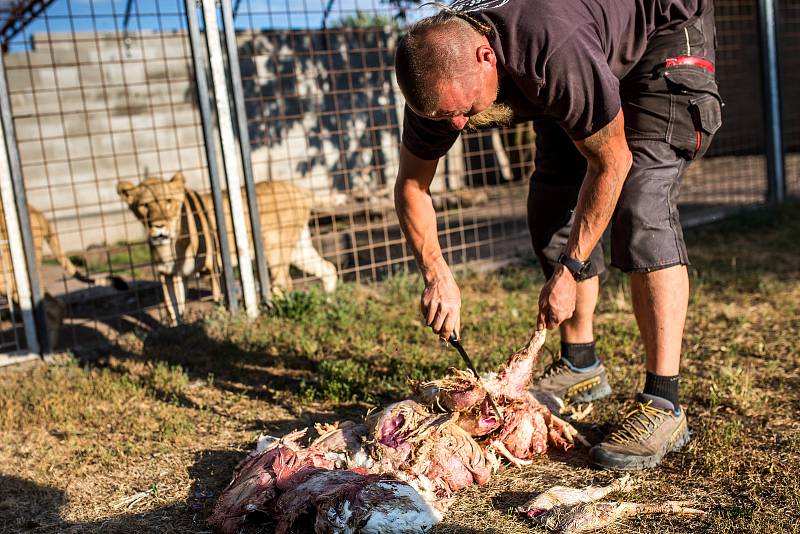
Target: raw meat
{"x":396,"y":471}
{"x":566,"y":510}
{"x":596,"y":515}
{"x":566,"y":496}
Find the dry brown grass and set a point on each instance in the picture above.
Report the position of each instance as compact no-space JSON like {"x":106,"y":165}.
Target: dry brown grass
{"x":143,"y":437}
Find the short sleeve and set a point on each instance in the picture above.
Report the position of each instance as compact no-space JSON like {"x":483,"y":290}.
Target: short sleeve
{"x":425,"y":138}
{"x":579,"y":91}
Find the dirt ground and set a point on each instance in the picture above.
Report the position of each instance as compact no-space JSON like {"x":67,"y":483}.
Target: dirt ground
{"x":143,"y":438}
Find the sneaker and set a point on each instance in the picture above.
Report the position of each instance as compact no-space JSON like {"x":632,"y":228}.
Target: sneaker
{"x":648,"y":432}
{"x":563,"y":384}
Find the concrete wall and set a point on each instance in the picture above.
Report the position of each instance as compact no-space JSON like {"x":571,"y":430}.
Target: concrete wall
{"x":91,"y":109}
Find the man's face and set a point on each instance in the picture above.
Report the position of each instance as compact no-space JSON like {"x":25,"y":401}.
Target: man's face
{"x":465,"y":97}
{"x":469,"y":98}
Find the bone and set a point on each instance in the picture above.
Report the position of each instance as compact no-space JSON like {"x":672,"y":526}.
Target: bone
{"x":594,"y":516}
{"x":566,"y":496}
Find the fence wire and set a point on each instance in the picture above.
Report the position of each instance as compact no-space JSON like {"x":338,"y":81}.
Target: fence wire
{"x":101,"y":95}
{"x":789,"y":50}
{"x":103,"y":92}
{"x":11,"y":332}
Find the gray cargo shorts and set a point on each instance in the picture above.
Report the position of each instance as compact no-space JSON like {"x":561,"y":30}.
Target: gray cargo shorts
{"x":672,"y":110}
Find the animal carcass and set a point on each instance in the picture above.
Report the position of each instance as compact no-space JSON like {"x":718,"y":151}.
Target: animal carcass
{"x":396,"y":471}
{"x":566,"y":510}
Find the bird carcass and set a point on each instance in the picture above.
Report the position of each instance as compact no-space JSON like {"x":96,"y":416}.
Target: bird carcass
{"x":396,"y":471}
{"x":566,"y":510}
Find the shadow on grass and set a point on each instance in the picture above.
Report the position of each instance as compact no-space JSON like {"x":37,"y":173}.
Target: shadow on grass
{"x":26,"y":506}
{"x":225,"y":365}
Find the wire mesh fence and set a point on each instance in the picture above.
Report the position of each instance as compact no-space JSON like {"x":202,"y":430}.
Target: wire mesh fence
{"x":11,"y":334}
{"x":734,"y":170}
{"x":324,"y":112}
{"x":100,"y":96}
{"x":104,"y":95}
{"x":789,"y":49}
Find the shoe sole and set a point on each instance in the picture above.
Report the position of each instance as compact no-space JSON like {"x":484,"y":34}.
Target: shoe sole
{"x":596,"y":393}
{"x":638,"y":463}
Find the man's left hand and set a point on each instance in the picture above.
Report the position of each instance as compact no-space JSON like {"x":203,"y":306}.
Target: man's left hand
{"x":557,"y":299}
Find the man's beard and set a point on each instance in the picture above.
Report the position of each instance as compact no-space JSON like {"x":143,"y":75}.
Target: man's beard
{"x":494,"y":115}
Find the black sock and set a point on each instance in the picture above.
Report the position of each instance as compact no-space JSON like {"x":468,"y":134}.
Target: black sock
{"x":580,"y":355}
{"x":665,"y":387}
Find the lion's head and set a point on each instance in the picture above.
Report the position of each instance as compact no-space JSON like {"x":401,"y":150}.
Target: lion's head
{"x":157,"y":203}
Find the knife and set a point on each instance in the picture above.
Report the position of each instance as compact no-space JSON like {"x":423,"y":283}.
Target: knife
{"x":453,"y":340}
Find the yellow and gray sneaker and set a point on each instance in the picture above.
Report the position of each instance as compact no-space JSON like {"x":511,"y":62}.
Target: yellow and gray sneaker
{"x":653,"y":428}
{"x":563,"y":384}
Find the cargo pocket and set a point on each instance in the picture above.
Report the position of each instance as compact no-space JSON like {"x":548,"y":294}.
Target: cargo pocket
{"x":695,"y":109}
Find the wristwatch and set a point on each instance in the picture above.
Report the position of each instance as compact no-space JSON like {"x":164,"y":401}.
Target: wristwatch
{"x":578,"y":269}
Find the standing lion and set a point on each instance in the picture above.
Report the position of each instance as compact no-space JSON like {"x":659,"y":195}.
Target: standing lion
{"x":182,"y":234}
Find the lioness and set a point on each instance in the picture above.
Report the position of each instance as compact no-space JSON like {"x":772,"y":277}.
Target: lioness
{"x":41,"y":232}
{"x":181,"y":230}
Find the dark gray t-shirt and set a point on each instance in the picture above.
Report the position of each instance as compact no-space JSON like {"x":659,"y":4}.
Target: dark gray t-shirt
{"x":559,"y":59}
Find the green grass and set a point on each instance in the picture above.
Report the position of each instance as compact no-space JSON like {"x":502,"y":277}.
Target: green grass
{"x":176,"y":410}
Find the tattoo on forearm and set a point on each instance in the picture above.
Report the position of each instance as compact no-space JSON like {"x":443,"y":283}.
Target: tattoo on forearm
{"x":603,"y":151}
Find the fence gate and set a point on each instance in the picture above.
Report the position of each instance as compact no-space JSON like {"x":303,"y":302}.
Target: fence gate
{"x":104,"y":94}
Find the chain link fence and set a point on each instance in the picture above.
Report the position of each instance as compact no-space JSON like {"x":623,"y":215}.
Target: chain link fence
{"x":104,"y":94}
{"x":789,"y":49}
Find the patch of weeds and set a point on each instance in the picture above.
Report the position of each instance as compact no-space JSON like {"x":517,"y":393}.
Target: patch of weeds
{"x":730,"y":432}
{"x":402,"y":287}
{"x":175,"y":426}
{"x":296,"y":305}
{"x":526,"y":277}
{"x":342,"y":313}
{"x":340,"y":381}
{"x":734,"y":388}
{"x":168,"y":379}
{"x":735,"y":512}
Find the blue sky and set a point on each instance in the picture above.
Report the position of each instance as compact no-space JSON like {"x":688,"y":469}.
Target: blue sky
{"x":165,"y":15}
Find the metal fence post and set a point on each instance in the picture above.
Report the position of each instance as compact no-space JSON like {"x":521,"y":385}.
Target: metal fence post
{"x":776,"y":189}
{"x":244,"y":145}
{"x":211,"y":152}
{"x":18,"y":230}
{"x":229,"y":160}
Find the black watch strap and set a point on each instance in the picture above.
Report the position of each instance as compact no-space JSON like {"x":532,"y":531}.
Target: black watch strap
{"x":578,"y":269}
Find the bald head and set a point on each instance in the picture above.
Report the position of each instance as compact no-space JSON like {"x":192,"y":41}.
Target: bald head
{"x":441,"y":49}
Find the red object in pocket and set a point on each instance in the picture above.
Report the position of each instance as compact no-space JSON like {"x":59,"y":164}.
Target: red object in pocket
{"x":690,"y":60}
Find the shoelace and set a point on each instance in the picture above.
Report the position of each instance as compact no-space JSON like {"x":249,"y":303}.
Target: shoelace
{"x":639,"y":423}
{"x":555,"y":368}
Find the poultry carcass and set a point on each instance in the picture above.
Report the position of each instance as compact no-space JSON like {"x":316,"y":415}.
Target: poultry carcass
{"x":275,"y":466}
{"x":419,"y":454}
{"x":566,"y":496}
{"x":528,"y":426}
{"x":348,"y":501}
{"x":592,"y":516}
{"x":330,"y":480}
{"x":566,"y":510}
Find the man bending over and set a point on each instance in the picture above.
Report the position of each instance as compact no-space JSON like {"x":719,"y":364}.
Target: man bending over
{"x":623,"y":97}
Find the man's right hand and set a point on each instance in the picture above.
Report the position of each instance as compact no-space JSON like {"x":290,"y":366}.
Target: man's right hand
{"x":441,"y":304}
{"x":441,"y":299}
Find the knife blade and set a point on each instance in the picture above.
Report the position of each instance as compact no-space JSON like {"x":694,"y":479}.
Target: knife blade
{"x":453,"y":340}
